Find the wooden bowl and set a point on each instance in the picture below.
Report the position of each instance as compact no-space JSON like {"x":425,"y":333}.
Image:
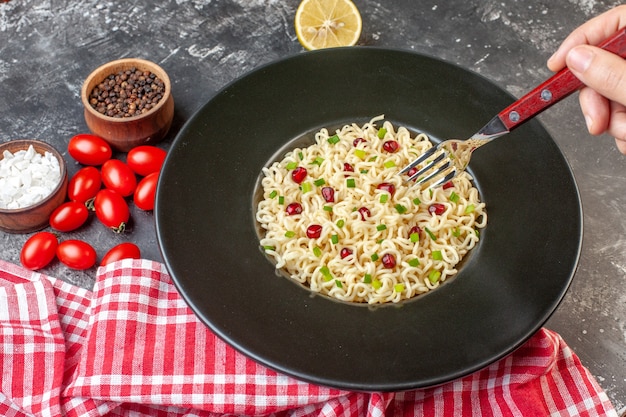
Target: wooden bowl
{"x":35,"y":217}
{"x":124,"y":133}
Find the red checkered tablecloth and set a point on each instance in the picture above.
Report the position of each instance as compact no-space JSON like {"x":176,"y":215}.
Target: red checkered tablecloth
{"x":132,"y":347}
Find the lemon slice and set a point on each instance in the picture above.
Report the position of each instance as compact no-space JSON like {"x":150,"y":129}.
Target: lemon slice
{"x":327,"y":23}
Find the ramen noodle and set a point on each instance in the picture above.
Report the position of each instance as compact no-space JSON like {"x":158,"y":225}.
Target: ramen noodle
{"x":338,"y":217}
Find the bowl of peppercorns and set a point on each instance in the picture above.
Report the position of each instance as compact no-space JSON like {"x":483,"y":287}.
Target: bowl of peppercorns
{"x":128,"y":102}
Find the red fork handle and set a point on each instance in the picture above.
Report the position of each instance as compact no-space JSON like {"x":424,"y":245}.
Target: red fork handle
{"x":555,"y":88}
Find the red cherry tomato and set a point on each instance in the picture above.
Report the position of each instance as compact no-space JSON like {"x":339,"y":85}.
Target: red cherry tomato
{"x":89,"y":149}
{"x":145,"y":159}
{"x":69,"y":216}
{"x":76,"y":254}
{"x":145,"y":191}
{"x":39,"y":250}
{"x":84,"y":185}
{"x":111,"y":209}
{"x":118,"y":176}
{"x":124,"y":250}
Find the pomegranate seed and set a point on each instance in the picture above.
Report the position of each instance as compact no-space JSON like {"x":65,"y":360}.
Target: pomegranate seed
{"x":391,"y":146}
{"x":447,"y":185}
{"x":314,"y":231}
{"x":345,"y":252}
{"x":412,"y":172}
{"x":348,"y":167}
{"x":293,"y":208}
{"x":298,"y":174}
{"x":389,"y":261}
{"x":329,"y":194}
{"x":415,"y":229}
{"x":437,"y":209}
{"x":387,"y":186}
{"x":365,"y":213}
{"x":357,"y":141}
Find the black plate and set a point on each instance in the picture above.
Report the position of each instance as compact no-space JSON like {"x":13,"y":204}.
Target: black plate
{"x":510,"y":285}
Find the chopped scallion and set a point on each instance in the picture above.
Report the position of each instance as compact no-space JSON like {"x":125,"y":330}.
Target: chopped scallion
{"x":338,"y":283}
{"x":306,"y":187}
{"x":269,"y":247}
{"x":417,"y":201}
{"x":334,"y":239}
{"x":381,"y":227}
{"x":350,"y":183}
{"x":401,"y":209}
{"x":281,"y":200}
{"x":432,"y":236}
{"x":398,"y":287}
{"x":374,"y":257}
{"x":470,"y":208}
{"x":317,"y":251}
{"x":273,"y":194}
{"x":340,"y":223}
{"x":333,"y":139}
{"x":300,"y":155}
{"x":384,"y":198}
{"x":434,"y":276}
{"x":290,"y":233}
{"x":360,"y":153}
{"x":437,"y":256}
{"x":389,"y":164}
{"x":364,"y":171}
{"x":319,"y":182}
{"x":291,"y":166}
{"x":456,"y":232}
{"x":328,"y":209}
{"x":326,"y":273}
{"x":318,"y":161}
{"x":414,"y":262}
{"x":373,"y":158}
{"x":415,"y":237}
{"x":376,"y":284}
{"x":382,"y":132}
{"x":454,"y":197}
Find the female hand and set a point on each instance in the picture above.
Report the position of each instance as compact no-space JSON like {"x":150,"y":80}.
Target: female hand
{"x":603,"y":99}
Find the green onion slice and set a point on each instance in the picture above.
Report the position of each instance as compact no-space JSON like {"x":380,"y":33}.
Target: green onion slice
{"x":434,"y":276}
{"x":382,"y":132}
{"x":333,"y":139}
{"x":432,"y":236}
{"x":319,"y":182}
{"x":291,"y":166}
{"x":350,"y":183}
{"x":437,"y":256}
{"x":414,"y":262}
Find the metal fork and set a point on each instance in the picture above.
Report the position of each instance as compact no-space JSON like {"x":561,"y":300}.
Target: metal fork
{"x":451,"y":157}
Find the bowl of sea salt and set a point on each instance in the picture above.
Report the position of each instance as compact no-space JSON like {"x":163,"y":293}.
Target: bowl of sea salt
{"x":33,"y":182}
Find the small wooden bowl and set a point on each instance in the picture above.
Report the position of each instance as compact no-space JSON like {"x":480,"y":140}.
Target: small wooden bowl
{"x":125,"y":133}
{"x":37,"y":216}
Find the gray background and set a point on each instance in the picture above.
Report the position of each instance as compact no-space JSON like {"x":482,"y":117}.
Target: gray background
{"x":47,"y":48}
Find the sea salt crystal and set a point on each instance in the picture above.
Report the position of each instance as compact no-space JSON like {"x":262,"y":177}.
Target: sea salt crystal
{"x":27,"y":177}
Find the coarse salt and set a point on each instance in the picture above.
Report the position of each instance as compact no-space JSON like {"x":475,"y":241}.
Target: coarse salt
{"x":27,"y":177}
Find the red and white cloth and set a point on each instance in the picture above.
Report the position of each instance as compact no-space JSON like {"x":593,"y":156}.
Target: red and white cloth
{"x":132,"y":347}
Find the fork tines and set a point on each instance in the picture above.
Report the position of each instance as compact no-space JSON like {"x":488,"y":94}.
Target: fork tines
{"x":440,"y":166}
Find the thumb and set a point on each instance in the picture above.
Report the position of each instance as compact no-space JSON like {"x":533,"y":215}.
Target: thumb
{"x":601,"y":70}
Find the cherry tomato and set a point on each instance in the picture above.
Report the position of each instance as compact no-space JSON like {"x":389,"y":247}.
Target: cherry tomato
{"x":39,"y":250}
{"x":84,"y":185}
{"x":124,"y":250}
{"x":111,"y":209}
{"x":89,"y":149}
{"x":116,"y":175}
{"x":76,"y":254}
{"x":69,"y":216}
{"x":145,"y":159}
{"x":145,"y":191}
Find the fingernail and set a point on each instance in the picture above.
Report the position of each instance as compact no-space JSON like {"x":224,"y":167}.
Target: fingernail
{"x":579,"y":59}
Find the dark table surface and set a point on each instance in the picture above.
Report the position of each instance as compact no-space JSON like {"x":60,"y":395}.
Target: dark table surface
{"x":48,"y":48}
